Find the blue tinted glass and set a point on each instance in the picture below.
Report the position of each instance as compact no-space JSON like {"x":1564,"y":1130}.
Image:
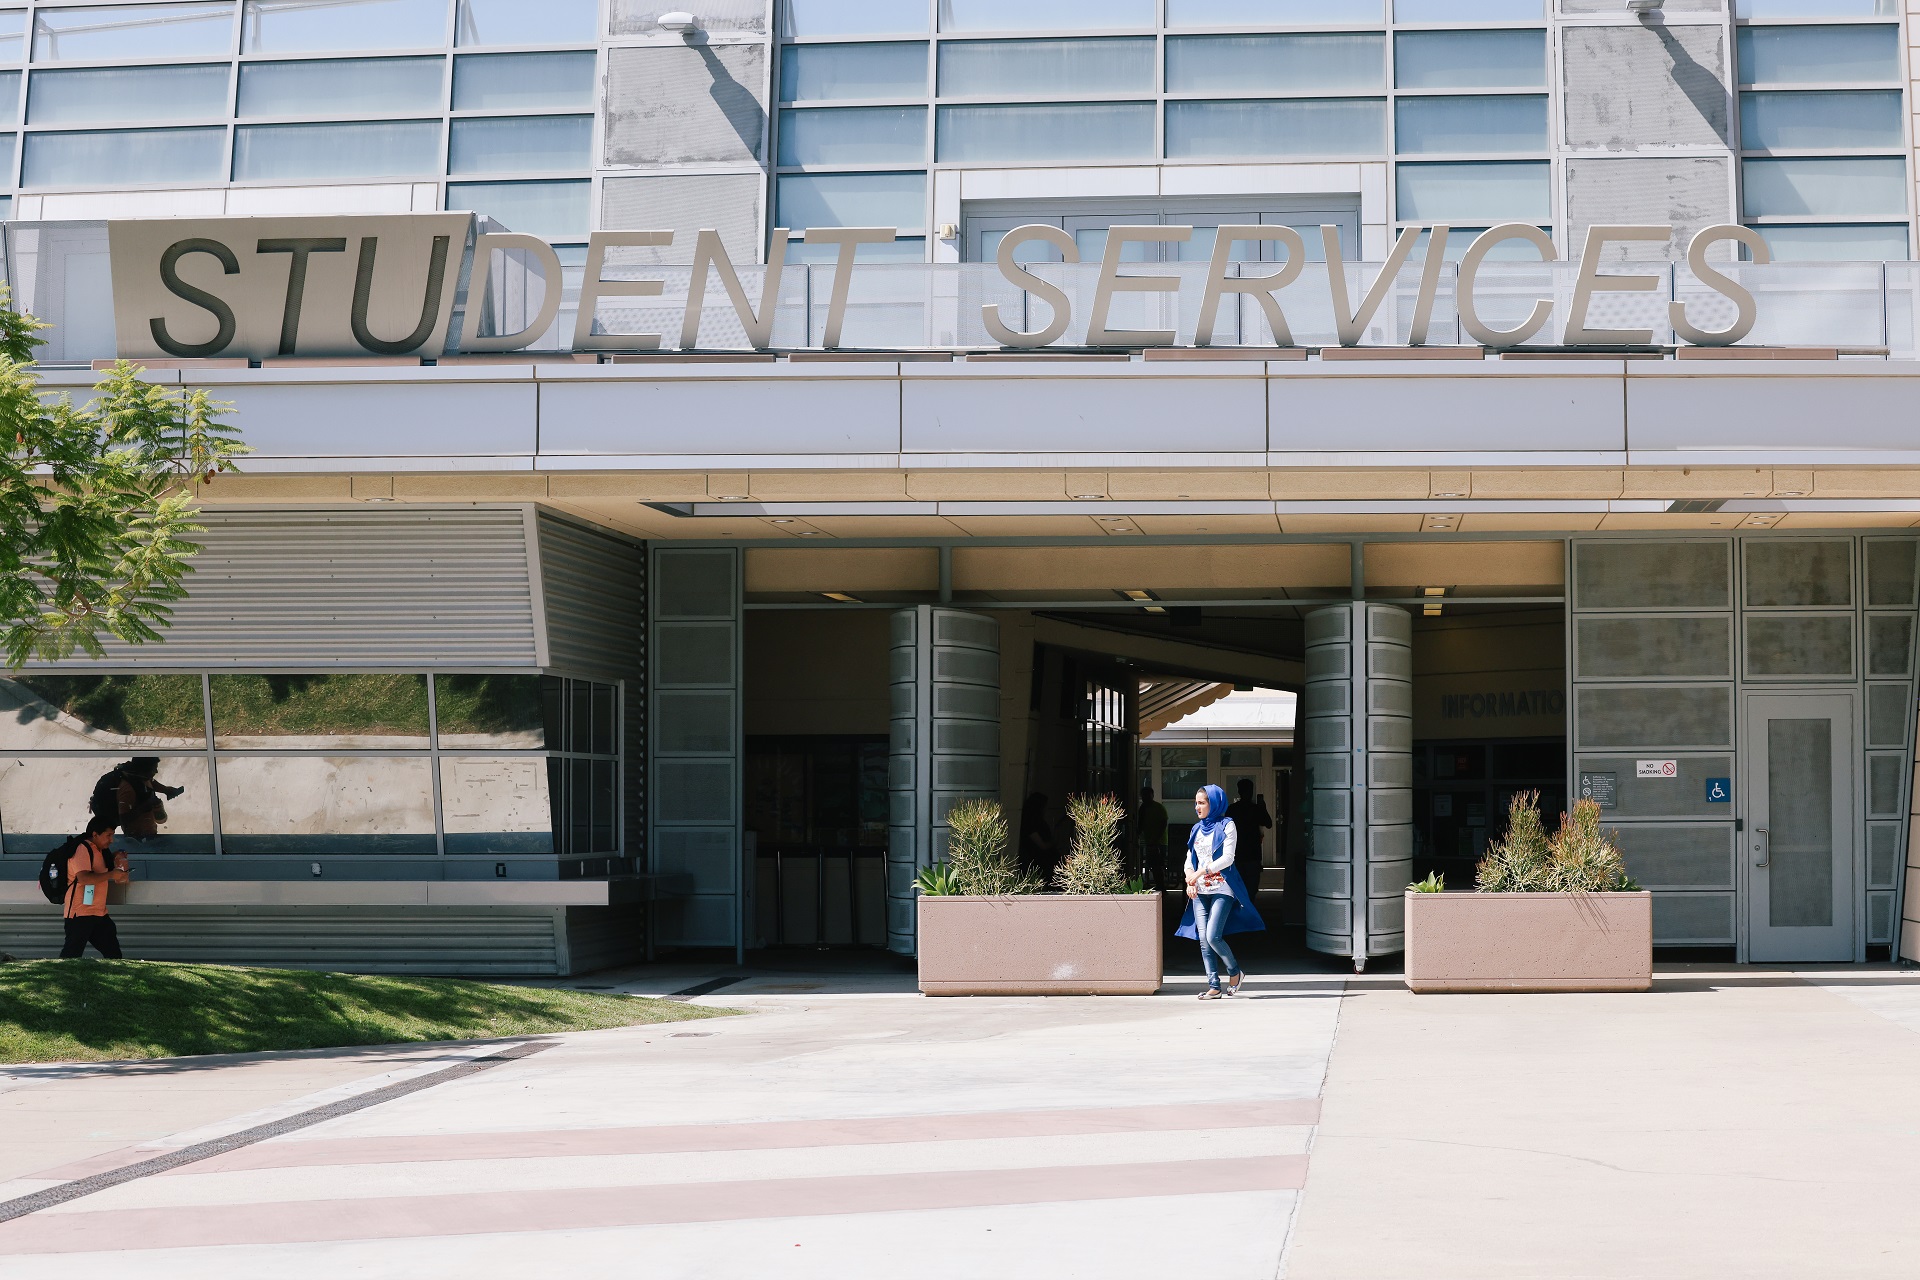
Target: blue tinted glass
{"x":1864,"y":243}
{"x":1819,"y":55}
{"x":853,"y":200}
{"x":1470,"y":59}
{"x":820,"y":72}
{"x":341,"y":86}
{"x":1460,"y":239}
{"x":1045,"y":15}
{"x":526,"y":22}
{"x":802,"y":18}
{"x":1020,"y":68}
{"x":521,"y":144}
{"x":1469,"y":10}
{"x":132,"y":31}
{"x":1469,"y":123}
{"x":320,"y":26}
{"x":550,"y":210}
{"x":854,"y":135}
{"x":905,"y":249}
{"x":1273,"y":13}
{"x":1763,"y":9}
{"x":522,"y":81}
{"x":1276,"y":64}
{"x":1079,"y":131}
{"x":133,"y":94}
{"x":10,"y":97}
{"x":321,"y":152}
{"x":1300,"y":127}
{"x":13,"y":36}
{"x":130,"y":157}
{"x":1842,"y":186}
{"x":1819,"y":121}
{"x":1486,"y":193}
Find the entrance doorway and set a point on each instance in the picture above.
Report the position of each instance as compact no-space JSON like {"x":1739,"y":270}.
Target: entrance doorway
{"x":1799,"y":827}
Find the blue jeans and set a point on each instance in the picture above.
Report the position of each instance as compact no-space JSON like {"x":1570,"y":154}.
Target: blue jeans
{"x":1211,"y":912}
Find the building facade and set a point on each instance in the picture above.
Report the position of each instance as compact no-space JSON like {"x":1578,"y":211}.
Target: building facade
{"x":1524,"y":386}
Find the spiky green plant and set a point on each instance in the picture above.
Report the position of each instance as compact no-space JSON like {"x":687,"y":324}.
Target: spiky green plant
{"x":1584,"y":860}
{"x":1434,"y":883}
{"x":978,"y":860}
{"x":1578,"y":858}
{"x":937,"y":881}
{"x":1518,"y":862}
{"x":1092,"y":864}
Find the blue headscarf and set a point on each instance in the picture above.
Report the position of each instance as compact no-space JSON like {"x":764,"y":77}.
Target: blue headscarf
{"x":1208,"y":828}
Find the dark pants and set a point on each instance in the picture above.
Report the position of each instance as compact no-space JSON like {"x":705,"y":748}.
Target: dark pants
{"x":98,"y":930}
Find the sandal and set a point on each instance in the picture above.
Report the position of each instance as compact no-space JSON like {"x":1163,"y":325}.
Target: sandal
{"x":1233,"y":983}
{"x":1211,"y":993}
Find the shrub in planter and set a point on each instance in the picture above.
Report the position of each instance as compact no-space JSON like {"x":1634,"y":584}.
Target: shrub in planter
{"x":1552,"y":913}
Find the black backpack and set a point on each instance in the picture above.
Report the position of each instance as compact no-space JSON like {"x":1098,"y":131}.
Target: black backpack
{"x":53,"y":872}
{"x":105,"y":800}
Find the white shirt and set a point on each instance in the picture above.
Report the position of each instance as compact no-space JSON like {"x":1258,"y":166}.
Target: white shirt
{"x":1211,"y":880}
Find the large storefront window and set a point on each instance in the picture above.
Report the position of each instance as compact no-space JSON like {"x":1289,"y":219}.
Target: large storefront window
{"x":338,"y":763}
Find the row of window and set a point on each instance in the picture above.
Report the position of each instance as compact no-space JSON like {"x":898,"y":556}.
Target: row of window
{"x":207,"y":28}
{"x":808,"y":19}
{"x":1239,"y":64}
{"x":519,"y":82}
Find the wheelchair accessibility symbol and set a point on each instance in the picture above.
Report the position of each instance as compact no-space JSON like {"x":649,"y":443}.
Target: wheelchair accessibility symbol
{"x":1719,"y":790}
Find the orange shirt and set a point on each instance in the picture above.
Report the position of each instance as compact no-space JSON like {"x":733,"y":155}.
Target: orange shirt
{"x":88,"y":874}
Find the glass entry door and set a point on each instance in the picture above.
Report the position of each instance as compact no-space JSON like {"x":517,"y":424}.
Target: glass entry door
{"x":1799,"y":833}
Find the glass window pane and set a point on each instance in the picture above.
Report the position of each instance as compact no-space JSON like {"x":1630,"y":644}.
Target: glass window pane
{"x":523,"y":81}
{"x":1470,"y":123}
{"x":1470,"y":59}
{"x":1460,"y":239}
{"x":1020,"y":68}
{"x":803,"y":18}
{"x":114,"y":713}
{"x":521,"y":144}
{"x":1800,"y":804}
{"x":377,"y":149}
{"x":305,"y":805}
{"x":132,"y":94}
{"x":519,"y":22}
{"x":1818,"y":55}
{"x":1300,"y":127}
{"x":1869,"y":186}
{"x":551,"y":210}
{"x":903,"y":249}
{"x":8,"y":141}
{"x":43,"y":800}
{"x":854,"y":135}
{"x":1272,"y":13}
{"x":818,"y":72}
{"x":1045,"y":15}
{"x":319,"y":26}
{"x":1275,"y":64}
{"x":131,"y":157}
{"x":1469,"y":10}
{"x":496,"y":804}
{"x":1500,"y":191}
{"x":13,"y":35}
{"x":1862,"y":242}
{"x":10,"y":96}
{"x":1081,"y":132}
{"x":1762,"y":9}
{"x":853,"y":200}
{"x":132,"y":31}
{"x":340,"y":86}
{"x":1829,"y":121}
{"x":494,"y":712}
{"x":320,"y":712}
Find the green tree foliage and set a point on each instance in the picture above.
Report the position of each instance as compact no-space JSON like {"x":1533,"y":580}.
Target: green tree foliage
{"x":96,"y":501}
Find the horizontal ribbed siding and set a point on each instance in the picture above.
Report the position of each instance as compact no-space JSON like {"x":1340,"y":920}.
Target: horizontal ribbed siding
{"x":318,"y":589}
{"x":596,"y":610}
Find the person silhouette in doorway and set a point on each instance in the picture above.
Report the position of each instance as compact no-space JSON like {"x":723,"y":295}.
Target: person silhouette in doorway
{"x":1250,"y":821}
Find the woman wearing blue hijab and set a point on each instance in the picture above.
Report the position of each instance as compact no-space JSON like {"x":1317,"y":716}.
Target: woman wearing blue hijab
{"x":1217,"y":901}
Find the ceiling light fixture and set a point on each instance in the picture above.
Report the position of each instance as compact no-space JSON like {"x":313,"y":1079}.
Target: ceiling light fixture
{"x":784,"y":520}
{"x":841,"y":597}
{"x":733,"y":497}
{"x":1432,"y":594}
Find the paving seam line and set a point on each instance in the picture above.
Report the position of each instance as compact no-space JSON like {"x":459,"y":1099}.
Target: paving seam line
{"x":69,"y":1191}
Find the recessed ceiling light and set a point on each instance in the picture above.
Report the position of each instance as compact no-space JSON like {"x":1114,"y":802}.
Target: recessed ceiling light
{"x":783,"y":520}
{"x":733,"y":497}
{"x":807,"y":533}
{"x":1088,"y":497}
{"x":841,"y":597}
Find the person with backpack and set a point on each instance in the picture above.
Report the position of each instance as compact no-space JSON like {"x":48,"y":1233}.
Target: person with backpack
{"x":129,"y":796}
{"x":76,"y":875}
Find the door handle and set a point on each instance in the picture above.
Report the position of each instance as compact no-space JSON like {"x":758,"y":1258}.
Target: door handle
{"x":1761,"y":848}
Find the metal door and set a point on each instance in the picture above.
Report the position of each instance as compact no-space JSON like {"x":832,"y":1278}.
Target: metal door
{"x":1799,"y":836}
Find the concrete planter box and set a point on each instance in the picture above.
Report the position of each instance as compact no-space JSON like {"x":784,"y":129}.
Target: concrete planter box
{"x":1041,"y":945}
{"x":1529,"y":941}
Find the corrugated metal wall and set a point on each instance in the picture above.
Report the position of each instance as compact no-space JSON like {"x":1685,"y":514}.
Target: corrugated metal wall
{"x":422,"y":588}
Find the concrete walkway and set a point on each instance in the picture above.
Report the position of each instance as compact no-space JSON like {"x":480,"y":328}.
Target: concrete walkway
{"x":1733,"y":1123}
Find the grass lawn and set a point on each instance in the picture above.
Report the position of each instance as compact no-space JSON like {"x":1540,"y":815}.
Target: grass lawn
{"x":97,"y":1010}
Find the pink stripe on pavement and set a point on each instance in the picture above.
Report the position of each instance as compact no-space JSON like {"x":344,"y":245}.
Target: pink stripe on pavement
{"x":752,"y":1136}
{"x":313,"y":1221}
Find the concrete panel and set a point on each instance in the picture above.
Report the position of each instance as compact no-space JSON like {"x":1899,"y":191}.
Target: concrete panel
{"x":687,"y":415}
{"x":1829,"y":415}
{"x":1105,"y":414}
{"x":1447,"y":413}
{"x":343,"y":420}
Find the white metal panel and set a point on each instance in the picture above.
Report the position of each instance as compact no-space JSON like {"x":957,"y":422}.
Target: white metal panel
{"x":1473,"y":412}
{"x":1128,"y":414}
{"x":721,"y":415}
{"x":384,"y":419}
{"x":1820,"y":411}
